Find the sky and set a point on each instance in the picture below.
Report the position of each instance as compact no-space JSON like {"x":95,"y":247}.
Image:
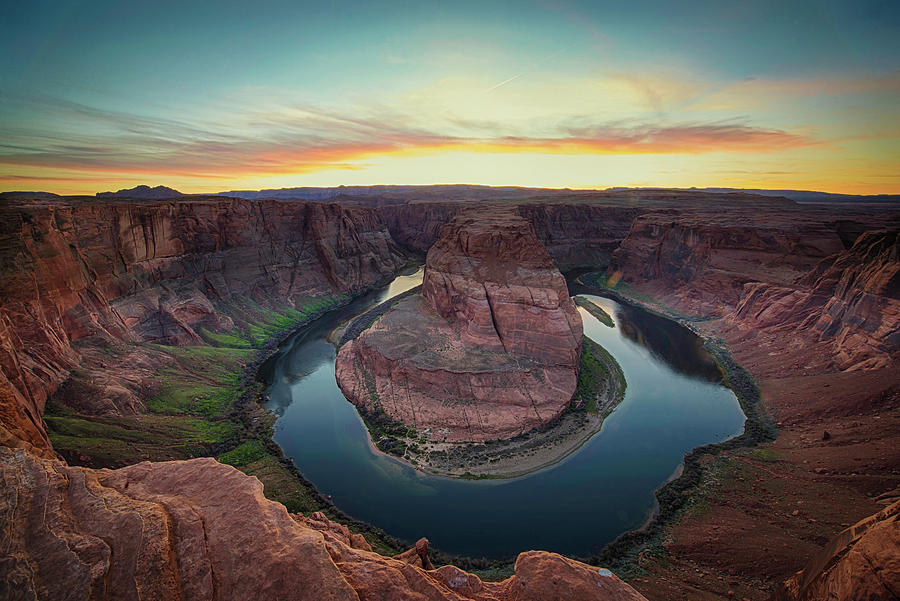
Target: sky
{"x":221,"y":95}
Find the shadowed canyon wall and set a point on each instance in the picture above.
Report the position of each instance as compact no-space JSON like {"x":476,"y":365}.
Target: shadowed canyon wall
{"x":162,"y":272}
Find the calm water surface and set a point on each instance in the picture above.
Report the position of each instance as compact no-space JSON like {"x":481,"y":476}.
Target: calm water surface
{"x":675,"y":401}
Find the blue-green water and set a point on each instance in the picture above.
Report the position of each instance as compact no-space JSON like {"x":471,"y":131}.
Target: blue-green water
{"x":675,"y":401}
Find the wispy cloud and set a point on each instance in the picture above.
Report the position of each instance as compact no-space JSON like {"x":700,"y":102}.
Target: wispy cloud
{"x":303,"y":138}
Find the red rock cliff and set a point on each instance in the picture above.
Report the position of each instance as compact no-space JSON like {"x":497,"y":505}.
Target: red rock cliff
{"x":158,"y":272}
{"x":198,"y":530}
{"x":850,"y":301}
{"x":490,"y":276}
{"x":698,"y":261}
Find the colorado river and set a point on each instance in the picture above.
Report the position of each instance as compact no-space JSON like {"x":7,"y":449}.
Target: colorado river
{"x":674,"y":402}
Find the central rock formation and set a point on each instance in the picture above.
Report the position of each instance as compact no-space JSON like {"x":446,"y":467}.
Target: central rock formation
{"x":490,"y":350}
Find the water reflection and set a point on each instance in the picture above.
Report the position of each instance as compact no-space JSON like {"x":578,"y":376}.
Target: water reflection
{"x":669,"y":342}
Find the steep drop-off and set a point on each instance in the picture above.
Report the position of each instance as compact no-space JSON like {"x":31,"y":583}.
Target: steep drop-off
{"x":161,"y":272}
{"x":491,"y":348}
{"x":850,"y":300}
{"x":198,"y":530}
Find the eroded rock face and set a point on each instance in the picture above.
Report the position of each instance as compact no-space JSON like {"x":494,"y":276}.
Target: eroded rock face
{"x":160,"y":271}
{"x":861,"y":562}
{"x":200,"y":530}
{"x":492,"y":279}
{"x":490,"y":350}
{"x":699,"y":261}
{"x":850,"y":300}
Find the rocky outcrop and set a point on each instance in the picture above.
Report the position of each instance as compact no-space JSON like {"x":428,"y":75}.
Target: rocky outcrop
{"x":699,"y":261}
{"x":198,"y":530}
{"x":491,"y":348}
{"x":860,"y":563}
{"x":161,"y":272}
{"x":493,"y":280}
{"x":850,"y":301}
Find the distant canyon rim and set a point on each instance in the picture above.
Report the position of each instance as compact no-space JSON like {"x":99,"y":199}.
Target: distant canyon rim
{"x":128,"y":322}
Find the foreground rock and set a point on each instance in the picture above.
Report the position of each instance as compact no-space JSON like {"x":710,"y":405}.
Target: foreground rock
{"x":200,"y":530}
{"x":491,"y":348}
{"x":861,"y":562}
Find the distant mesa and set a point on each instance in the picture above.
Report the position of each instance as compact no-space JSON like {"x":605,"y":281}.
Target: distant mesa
{"x":488,"y":351}
{"x":142,"y":191}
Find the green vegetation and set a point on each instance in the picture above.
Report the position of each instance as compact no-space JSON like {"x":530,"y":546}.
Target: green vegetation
{"x":595,"y":310}
{"x":114,"y":441}
{"x":241,"y":455}
{"x":256,"y":325}
{"x":189,"y":399}
{"x":599,"y":376}
{"x":202,"y":381}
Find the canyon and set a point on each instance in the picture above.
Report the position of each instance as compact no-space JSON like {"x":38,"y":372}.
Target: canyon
{"x":806,"y":298}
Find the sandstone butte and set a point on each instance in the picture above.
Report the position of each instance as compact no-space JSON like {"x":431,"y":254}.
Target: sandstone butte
{"x":491,"y":348}
{"x":805,"y":297}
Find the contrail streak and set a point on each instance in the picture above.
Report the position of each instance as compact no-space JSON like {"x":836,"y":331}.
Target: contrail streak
{"x":537,"y":64}
{"x":503,"y":83}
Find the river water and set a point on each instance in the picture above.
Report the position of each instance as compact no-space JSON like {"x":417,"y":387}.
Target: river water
{"x":675,"y":401}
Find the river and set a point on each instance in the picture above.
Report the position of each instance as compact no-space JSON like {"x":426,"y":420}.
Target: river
{"x":675,"y":401}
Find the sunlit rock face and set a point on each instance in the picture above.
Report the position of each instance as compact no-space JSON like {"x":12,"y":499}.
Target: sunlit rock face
{"x":200,"y":530}
{"x":488,"y":351}
{"x":491,"y":277}
{"x":850,"y":302}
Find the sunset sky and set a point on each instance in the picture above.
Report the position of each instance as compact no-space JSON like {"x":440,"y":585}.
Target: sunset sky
{"x":212,"y":96}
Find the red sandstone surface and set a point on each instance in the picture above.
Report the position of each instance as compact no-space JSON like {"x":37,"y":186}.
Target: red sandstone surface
{"x":489,"y":351}
{"x":861,"y":562}
{"x":199,"y":530}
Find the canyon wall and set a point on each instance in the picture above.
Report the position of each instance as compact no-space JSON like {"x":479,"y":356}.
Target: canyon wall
{"x":575,"y":234}
{"x":850,"y":300}
{"x":161,"y":272}
{"x":580,"y":235}
{"x":699,"y":261}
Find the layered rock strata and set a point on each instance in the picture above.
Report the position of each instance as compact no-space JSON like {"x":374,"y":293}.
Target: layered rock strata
{"x":160,"y":271}
{"x":850,"y":300}
{"x":490,"y":350}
